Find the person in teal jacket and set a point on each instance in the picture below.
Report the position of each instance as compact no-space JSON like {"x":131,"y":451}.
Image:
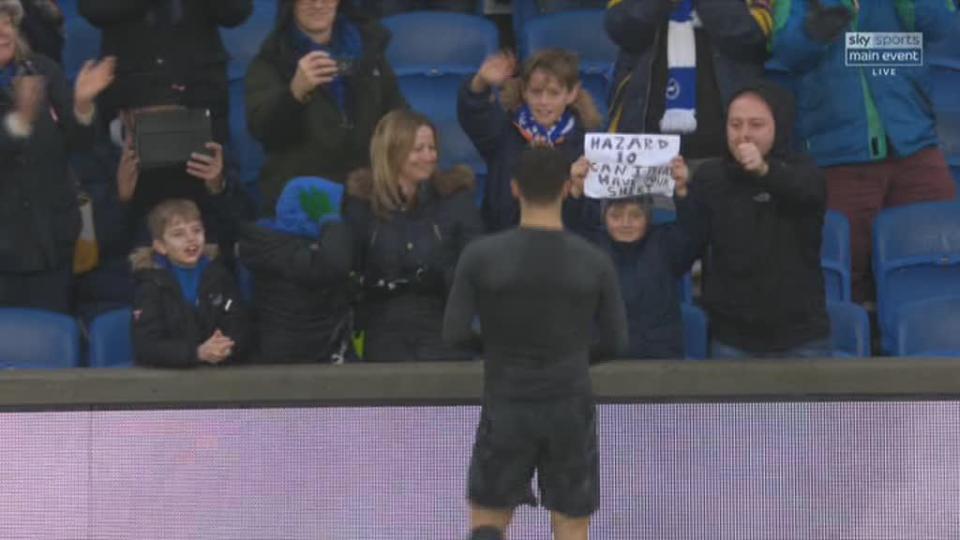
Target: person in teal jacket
{"x":871,"y":129}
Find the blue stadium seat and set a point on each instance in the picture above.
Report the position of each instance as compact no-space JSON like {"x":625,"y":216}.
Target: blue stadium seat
{"x":849,"y":329}
{"x":457,"y":149}
{"x":527,"y":10}
{"x":581,"y":31}
{"x":685,"y":287}
{"x":436,"y":97}
{"x":243,"y":42}
{"x":36,"y":339}
{"x":110,"y":342}
{"x":835,"y":256}
{"x":385,"y":8}
{"x":244,"y":152}
{"x":930,"y":328}
{"x":694,"y":332}
{"x":524,"y":11}
{"x":81,"y":40}
{"x":439,"y":43}
{"x":916,"y":256}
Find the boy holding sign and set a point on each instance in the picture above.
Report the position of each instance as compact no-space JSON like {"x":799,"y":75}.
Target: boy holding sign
{"x":649,"y":260}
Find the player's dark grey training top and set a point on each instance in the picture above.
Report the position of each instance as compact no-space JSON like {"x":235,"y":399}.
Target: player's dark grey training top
{"x":547,"y":302}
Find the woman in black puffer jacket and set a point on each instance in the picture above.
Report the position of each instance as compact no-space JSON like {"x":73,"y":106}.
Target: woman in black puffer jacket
{"x":410,"y":224}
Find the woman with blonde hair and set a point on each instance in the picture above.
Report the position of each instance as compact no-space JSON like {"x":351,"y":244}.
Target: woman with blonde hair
{"x":544,"y":105}
{"x":410,"y":222}
{"x":42,"y":119}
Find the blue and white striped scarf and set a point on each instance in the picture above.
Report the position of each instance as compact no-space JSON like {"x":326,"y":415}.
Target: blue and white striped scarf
{"x":680,"y":114}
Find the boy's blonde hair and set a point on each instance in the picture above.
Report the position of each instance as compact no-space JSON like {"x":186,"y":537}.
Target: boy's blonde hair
{"x":393,"y":140}
{"x":565,"y":66}
{"x":168,"y":211}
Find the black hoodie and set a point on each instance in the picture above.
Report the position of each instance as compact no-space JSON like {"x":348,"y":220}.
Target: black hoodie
{"x":763,"y":286}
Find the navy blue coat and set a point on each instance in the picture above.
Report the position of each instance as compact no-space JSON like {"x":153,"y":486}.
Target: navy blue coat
{"x":648,"y":272}
{"x":639,"y":26}
{"x":493,"y":133}
{"x":416,"y":251}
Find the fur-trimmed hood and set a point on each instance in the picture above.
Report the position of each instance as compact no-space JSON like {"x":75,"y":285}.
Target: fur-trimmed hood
{"x":142,"y":258}
{"x":445,"y":183}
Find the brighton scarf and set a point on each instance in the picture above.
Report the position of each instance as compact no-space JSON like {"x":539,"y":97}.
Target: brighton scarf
{"x":680,"y":114}
{"x":534,"y":133}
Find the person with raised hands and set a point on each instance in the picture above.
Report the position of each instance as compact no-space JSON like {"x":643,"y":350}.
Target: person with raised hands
{"x":41,"y":120}
{"x":544,"y":106}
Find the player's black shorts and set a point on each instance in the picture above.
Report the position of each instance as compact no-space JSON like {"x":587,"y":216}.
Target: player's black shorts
{"x":556,"y":438}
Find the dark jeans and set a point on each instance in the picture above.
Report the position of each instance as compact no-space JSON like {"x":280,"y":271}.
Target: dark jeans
{"x":48,"y":290}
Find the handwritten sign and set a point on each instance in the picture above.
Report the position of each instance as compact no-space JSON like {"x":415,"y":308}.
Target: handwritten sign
{"x":628,"y":165}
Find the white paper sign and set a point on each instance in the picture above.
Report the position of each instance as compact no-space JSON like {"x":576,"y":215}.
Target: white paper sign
{"x":628,"y":165}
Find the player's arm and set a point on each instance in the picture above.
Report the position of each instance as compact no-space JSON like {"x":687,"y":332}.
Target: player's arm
{"x":461,"y":305}
{"x":612,"y":336}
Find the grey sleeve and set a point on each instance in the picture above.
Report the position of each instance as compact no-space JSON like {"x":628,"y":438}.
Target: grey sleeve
{"x":461,"y":305}
{"x":611,"y":315}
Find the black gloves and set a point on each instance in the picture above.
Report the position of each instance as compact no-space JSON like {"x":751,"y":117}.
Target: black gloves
{"x":825,"y":24}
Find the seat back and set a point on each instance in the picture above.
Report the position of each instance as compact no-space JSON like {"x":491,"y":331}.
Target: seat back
{"x":243,"y":42}
{"x":849,"y":329}
{"x":37,"y":339}
{"x":695,"y":327}
{"x":81,"y":39}
{"x":439,"y":43}
{"x":835,"y":256}
{"x":111,"y":344}
{"x":581,"y":31}
{"x":930,"y":328}
{"x":916,"y":255}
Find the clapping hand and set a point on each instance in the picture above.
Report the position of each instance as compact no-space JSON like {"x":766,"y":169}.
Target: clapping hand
{"x":28,"y":95}
{"x":216,"y":349}
{"x":93,"y":78}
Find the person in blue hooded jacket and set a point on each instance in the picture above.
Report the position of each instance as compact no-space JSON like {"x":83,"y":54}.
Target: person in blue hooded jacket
{"x":871,"y":130}
{"x":301,"y":260}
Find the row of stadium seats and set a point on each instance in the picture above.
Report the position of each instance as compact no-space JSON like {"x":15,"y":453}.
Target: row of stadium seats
{"x":33,"y":339}
{"x":916,"y":264}
{"x":432,"y":52}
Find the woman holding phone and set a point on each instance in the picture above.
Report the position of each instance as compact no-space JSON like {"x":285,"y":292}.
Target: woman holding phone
{"x":319,"y":85}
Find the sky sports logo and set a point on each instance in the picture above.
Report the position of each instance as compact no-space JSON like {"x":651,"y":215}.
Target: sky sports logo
{"x":883,"y":52}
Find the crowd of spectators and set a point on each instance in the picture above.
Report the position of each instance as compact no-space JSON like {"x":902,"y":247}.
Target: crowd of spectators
{"x":354,"y":247}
